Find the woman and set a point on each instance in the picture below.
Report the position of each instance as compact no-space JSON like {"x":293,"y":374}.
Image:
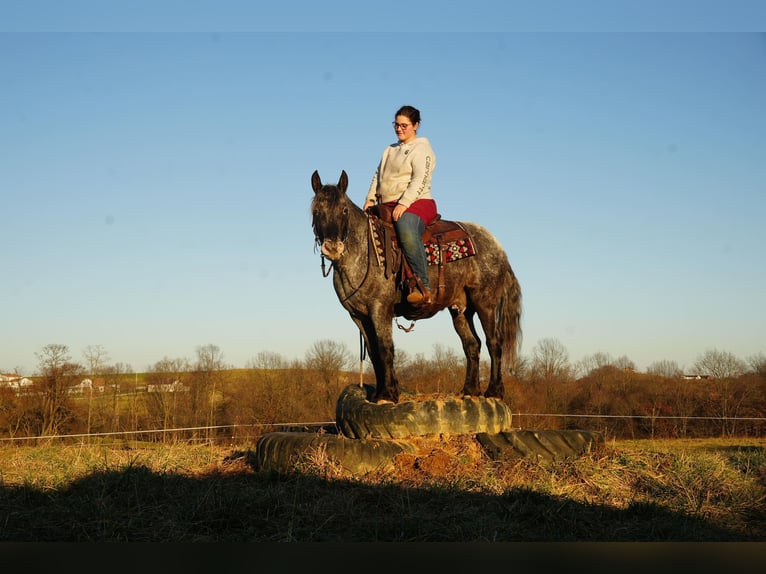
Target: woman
{"x":403,"y":182}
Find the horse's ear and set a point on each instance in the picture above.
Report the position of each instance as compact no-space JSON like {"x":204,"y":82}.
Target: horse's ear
{"x":316,"y":182}
{"x":343,"y":182}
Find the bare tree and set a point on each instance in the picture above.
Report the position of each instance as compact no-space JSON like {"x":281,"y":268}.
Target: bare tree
{"x":207,"y":386}
{"x":328,"y":358}
{"x":401,"y":360}
{"x":448,"y":369}
{"x":665,"y":368}
{"x":262,"y":397}
{"x":593,"y":362}
{"x":624,"y":363}
{"x":267,"y":360}
{"x":550,"y":360}
{"x":684,"y":401}
{"x":720,"y":364}
{"x":729,"y":394}
{"x":649,"y":399}
{"x":418,"y":374}
{"x":758,"y":364}
{"x":115,"y":385}
{"x":58,"y":374}
{"x":550,"y":370}
{"x":522,"y":368}
{"x":14,"y":418}
{"x":165,"y":382}
{"x":96,"y":358}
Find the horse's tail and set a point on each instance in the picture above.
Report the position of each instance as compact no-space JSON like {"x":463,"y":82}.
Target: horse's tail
{"x":509,"y":321}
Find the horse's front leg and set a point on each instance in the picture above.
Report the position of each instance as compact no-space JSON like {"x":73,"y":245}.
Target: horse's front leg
{"x":378,"y":334}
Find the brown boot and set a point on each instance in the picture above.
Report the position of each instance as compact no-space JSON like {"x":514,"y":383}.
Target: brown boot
{"x":418,"y":298}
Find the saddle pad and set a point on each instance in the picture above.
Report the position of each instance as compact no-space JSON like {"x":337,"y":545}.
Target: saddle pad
{"x":443,"y":247}
{"x":447,"y":250}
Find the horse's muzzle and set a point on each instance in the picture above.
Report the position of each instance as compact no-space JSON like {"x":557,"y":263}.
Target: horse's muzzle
{"x":332,"y":249}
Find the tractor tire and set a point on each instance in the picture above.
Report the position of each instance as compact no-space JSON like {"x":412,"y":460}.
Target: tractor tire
{"x":281,"y":451}
{"x":540,"y":445}
{"x":358,"y":418}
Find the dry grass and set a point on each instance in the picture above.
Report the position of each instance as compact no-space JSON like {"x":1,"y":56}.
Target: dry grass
{"x":448,"y":491}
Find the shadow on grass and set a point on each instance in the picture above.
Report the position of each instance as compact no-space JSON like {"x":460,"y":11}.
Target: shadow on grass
{"x":140,"y":505}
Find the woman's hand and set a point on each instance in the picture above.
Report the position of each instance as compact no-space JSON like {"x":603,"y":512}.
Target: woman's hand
{"x":398,"y":211}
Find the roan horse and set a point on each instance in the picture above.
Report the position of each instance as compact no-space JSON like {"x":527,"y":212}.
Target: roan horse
{"x":483,"y":284}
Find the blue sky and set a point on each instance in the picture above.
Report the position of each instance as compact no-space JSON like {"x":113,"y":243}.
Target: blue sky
{"x":155,"y":179}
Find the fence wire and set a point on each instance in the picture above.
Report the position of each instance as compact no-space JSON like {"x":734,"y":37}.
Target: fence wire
{"x":317,"y":426}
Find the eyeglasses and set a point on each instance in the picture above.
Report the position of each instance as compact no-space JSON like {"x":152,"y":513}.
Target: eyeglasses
{"x":401,"y":126}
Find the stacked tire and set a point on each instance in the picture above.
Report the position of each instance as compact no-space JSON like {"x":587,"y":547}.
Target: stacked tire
{"x":370,"y":435}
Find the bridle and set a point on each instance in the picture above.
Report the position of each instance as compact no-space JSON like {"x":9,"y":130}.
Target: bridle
{"x":370,"y":248}
{"x":326,"y":271}
{"x":318,"y":241}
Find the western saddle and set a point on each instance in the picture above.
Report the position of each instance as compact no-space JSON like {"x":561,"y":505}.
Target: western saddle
{"x":442,"y":239}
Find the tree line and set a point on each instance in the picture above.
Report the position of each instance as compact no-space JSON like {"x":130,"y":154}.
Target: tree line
{"x":204,"y":398}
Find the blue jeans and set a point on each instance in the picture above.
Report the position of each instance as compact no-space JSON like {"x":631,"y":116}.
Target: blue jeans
{"x":409,"y":231}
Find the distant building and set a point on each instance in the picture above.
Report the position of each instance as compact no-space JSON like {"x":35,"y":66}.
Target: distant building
{"x":174,"y":387}
{"x":81,"y":387}
{"x":698,"y":377}
{"x":15,"y":382}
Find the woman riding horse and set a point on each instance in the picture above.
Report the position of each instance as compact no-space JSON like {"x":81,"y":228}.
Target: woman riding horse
{"x":483,"y":284}
{"x":402,"y":183}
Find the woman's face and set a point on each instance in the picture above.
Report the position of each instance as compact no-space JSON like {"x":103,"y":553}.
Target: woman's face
{"x":404,"y":129}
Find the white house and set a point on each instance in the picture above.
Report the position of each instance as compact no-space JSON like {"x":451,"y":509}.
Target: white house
{"x":15,"y":382}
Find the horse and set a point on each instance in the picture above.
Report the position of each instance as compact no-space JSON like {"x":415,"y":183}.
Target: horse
{"x":483,"y":284}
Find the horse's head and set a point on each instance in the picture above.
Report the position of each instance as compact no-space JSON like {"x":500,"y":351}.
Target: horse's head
{"x":329,"y":215}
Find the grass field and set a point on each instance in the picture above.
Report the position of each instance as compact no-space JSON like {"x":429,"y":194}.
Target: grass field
{"x":627,"y":491}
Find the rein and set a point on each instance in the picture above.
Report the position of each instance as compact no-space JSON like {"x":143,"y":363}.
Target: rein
{"x":325,"y":273}
{"x":343,"y":239}
{"x":362,"y":355}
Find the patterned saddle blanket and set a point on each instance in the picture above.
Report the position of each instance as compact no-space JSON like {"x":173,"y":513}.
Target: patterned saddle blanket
{"x":444,"y":241}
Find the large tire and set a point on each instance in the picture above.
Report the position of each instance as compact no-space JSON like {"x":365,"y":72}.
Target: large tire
{"x":541,"y":445}
{"x":280,"y":451}
{"x":358,"y":418}
{"x":371,"y":434}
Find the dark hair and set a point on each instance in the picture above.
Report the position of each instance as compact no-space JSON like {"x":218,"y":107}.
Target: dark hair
{"x":412,"y":113}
